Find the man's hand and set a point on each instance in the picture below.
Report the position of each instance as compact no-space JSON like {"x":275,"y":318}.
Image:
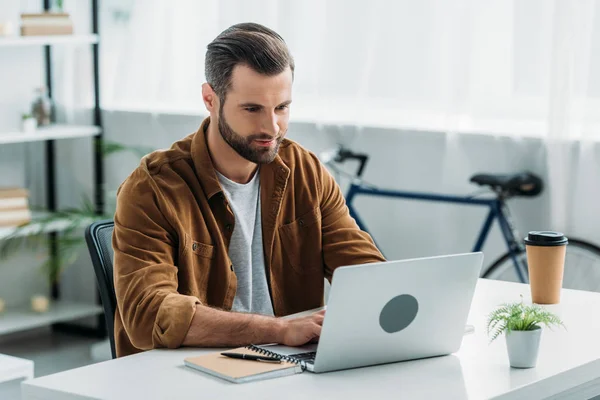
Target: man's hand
{"x":215,"y":328}
{"x":300,"y":331}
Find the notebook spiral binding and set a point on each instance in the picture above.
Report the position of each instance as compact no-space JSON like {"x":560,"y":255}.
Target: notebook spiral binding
{"x":268,"y":353}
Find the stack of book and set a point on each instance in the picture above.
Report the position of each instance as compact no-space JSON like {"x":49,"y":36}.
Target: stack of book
{"x":46,"y":24}
{"x":14,"y":207}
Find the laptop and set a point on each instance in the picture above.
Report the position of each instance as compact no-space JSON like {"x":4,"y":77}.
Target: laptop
{"x":392,"y":311}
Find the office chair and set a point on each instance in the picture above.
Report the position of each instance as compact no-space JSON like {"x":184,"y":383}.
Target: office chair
{"x":99,"y":241}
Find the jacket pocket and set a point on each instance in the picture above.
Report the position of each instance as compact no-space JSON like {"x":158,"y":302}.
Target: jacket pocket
{"x":194,"y":267}
{"x":301,"y":241}
{"x":201,"y":249}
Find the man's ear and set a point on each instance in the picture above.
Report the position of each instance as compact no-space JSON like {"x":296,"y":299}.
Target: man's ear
{"x":210,"y":98}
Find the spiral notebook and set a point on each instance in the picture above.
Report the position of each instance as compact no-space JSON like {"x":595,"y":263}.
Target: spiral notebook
{"x":241,"y":371}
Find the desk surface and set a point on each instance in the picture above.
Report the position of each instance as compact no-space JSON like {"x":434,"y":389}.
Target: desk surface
{"x":568,"y":367}
{"x":15,"y":368}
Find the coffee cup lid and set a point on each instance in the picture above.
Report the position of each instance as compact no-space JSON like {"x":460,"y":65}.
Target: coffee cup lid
{"x":546,"y":238}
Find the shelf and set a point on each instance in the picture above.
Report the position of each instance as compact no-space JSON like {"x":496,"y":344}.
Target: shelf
{"x":15,"y":368}
{"x":52,"y":132}
{"x":15,"y":46}
{"x":20,"y":319}
{"x":187,"y":109}
{"x":35,"y":228}
{"x":14,"y":41}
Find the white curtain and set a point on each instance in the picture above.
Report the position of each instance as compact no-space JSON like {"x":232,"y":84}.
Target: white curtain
{"x":492,"y":65}
{"x":496,"y":67}
{"x":572,"y":115}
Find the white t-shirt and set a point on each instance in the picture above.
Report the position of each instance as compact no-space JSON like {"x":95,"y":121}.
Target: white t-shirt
{"x":246,"y":247}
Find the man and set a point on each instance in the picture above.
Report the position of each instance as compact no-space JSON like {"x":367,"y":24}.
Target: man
{"x":234,"y":225}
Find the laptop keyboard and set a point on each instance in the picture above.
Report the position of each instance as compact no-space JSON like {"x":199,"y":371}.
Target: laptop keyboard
{"x":308,"y":358}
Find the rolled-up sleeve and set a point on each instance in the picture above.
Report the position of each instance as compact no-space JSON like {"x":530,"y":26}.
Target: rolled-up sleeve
{"x":344,"y":243}
{"x":153,"y":313}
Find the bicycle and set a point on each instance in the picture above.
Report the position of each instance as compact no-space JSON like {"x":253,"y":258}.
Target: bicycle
{"x":582,"y":262}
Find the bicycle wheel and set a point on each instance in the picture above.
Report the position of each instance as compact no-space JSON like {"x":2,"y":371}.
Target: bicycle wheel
{"x":582,"y":267}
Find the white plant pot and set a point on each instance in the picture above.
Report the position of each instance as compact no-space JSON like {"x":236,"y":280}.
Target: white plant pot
{"x":523,"y":348}
{"x":29,"y":125}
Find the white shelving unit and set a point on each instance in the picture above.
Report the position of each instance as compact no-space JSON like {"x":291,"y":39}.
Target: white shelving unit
{"x":52,"y":132}
{"x":48,"y":40}
{"x":15,"y":368}
{"x":18,"y":319}
{"x":23,"y":318}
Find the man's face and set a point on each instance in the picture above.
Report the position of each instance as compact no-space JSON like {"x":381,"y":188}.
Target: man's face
{"x":254,"y":118}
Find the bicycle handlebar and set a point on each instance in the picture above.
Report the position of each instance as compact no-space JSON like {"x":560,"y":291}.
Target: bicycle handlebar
{"x":345,"y":154}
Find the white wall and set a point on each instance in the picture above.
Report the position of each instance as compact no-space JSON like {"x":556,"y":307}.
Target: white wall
{"x":421,"y":161}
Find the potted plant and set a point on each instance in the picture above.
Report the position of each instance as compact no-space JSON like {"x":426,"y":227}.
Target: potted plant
{"x":522,"y":325}
{"x":28,"y":123}
{"x":70,"y":241}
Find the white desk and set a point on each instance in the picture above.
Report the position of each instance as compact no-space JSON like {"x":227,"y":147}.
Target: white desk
{"x":568,"y":367}
{"x":15,"y":368}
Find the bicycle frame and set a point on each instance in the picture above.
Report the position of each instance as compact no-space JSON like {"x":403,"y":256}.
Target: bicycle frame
{"x":496,"y":206}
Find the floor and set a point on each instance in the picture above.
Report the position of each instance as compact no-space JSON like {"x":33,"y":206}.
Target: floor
{"x":51,"y":352}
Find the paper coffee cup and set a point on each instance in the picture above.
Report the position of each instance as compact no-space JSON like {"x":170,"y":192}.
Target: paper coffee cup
{"x":546,"y":252}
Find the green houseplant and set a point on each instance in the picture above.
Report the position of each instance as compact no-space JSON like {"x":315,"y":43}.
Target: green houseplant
{"x":522,"y":325}
{"x":70,"y":240}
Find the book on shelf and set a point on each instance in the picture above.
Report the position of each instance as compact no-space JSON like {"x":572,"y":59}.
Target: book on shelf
{"x":14,"y":218}
{"x":46,"y":24}
{"x":14,"y":207}
{"x":45,"y":16}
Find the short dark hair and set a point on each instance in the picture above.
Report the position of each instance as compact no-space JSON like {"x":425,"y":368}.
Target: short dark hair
{"x":250,"y":44}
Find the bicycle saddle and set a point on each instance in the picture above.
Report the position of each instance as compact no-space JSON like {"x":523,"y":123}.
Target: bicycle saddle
{"x":521,"y":184}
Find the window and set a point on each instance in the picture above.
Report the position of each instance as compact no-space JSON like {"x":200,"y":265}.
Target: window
{"x":465,"y":63}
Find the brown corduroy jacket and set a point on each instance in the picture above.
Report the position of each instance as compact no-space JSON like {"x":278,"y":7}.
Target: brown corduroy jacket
{"x":173,"y":227}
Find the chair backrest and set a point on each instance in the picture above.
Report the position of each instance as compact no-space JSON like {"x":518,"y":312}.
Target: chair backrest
{"x":99,"y":241}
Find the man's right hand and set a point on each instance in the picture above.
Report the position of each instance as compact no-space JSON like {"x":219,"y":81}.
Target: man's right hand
{"x":216,"y":328}
{"x":300,"y":331}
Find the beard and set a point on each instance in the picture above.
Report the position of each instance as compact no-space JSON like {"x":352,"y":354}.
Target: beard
{"x":243,"y":144}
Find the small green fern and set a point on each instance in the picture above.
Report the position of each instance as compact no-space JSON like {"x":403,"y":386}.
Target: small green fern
{"x":519,"y":317}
